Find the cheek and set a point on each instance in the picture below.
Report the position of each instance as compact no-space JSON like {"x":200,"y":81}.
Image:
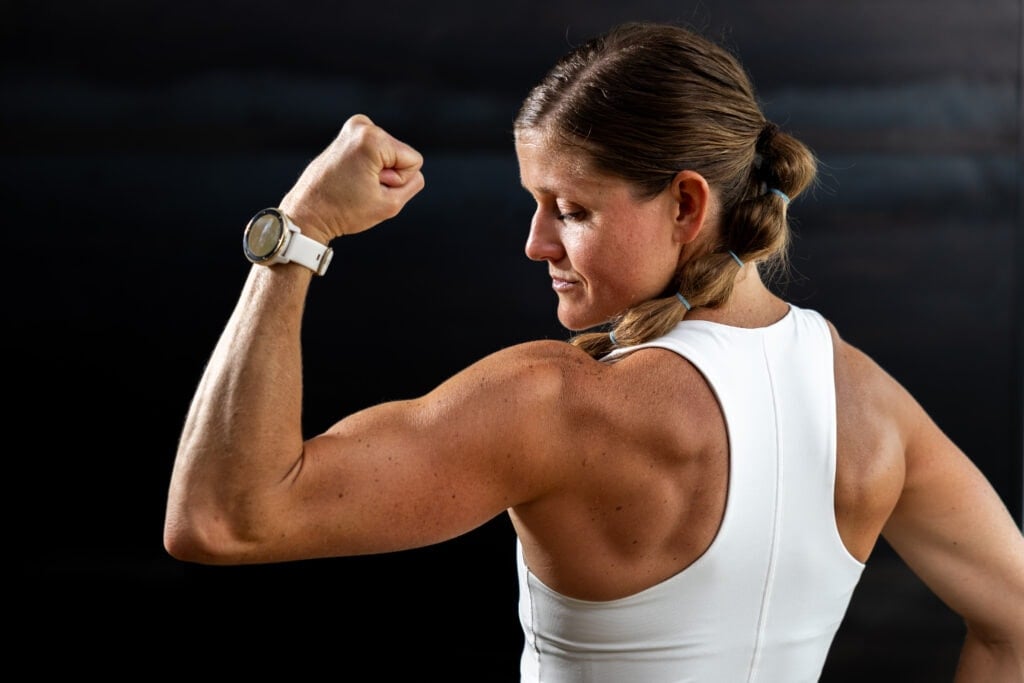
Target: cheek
{"x":645,"y":264}
{"x":626,"y":280}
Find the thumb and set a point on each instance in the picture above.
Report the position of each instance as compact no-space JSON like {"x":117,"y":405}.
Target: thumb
{"x":391,"y":178}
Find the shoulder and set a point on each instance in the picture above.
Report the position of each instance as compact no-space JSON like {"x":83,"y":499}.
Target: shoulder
{"x":867,"y":390}
{"x":530,"y":367}
{"x":559,"y":367}
{"x":856,"y":365}
{"x":544,"y":385}
{"x":557,"y":396}
{"x":533,"y":387}
{"x":548,"y":352}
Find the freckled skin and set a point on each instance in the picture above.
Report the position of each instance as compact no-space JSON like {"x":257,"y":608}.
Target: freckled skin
{"x":609,"y":251}
{"x":613,"y":474}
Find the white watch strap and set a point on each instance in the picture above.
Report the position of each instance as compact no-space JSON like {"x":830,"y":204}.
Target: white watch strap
{"x":305,"y":251}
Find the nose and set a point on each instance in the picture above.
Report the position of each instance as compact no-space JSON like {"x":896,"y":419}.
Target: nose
{"x":543,"y":244}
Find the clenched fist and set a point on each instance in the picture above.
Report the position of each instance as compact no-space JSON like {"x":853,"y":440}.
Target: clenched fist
{"x":364,"y":177}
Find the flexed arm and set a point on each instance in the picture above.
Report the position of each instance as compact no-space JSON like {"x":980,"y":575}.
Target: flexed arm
{"x":243,"y":431}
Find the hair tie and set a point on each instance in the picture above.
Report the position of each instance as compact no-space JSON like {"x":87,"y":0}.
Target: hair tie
{"x":736,"y":258}
{"x":780,"y":193}
{"x":683,"y":300}
{"x":611,"y":336}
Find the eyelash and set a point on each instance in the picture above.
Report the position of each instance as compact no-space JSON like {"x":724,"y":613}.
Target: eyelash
{"x":570,"y":216}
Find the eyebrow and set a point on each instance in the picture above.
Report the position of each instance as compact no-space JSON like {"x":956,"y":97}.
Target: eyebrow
{"x":538,"y":190}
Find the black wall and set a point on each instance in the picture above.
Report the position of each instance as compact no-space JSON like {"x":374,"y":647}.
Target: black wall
{"x":137,"y":138}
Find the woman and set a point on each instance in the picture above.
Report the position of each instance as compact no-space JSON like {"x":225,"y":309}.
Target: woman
{"x":695,"y":480}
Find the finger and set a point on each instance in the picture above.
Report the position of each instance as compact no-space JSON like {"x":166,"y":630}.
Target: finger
{"x":407,"y":158}
{"x":391,"y":178}
{"x":406,"y":190}
{"x":400,"y":157}
{"x":396,"y":177}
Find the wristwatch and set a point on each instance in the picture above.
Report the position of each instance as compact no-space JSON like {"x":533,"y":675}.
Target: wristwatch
{"x":271,"y":237}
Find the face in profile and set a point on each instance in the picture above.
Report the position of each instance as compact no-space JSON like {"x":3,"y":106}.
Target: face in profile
{"x":606,"y":249}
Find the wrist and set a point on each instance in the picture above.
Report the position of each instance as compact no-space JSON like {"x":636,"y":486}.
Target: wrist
{"x":318,"y":218}
{"x":273,"y":237}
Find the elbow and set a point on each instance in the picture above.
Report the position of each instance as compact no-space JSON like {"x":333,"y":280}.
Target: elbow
{"x":185,"y":546}
{"x":202,"y":536}
{"x":189,"y":540}
{"x":222,"y":523}
{"x":211,"y":525}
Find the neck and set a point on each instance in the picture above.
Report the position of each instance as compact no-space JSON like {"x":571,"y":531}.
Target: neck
{"x":751,"y":303}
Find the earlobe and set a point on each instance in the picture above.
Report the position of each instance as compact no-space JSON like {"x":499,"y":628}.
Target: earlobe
{"x":692,"y":196}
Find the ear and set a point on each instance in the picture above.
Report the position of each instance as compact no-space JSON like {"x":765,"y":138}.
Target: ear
{"x":692,"y":196}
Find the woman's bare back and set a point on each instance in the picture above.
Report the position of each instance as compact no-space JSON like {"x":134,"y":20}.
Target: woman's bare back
{"x":642,"y":474}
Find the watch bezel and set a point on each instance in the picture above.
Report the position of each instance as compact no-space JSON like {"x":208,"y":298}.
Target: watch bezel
{"x":282,"y":238}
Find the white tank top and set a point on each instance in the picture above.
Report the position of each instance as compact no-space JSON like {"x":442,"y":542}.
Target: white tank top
{"x":763,"y":603}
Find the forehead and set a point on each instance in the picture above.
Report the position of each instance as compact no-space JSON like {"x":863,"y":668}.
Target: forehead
{"x":551,"y":166}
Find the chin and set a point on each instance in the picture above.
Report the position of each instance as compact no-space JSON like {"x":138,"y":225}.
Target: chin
{"x":569,"y":324}
{"x":576,"y":323}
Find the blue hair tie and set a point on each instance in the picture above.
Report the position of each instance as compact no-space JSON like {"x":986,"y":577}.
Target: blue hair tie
{"x":611,"y":336}
{"x":781,"y":194}
{"x":683,"y":300}
{"x":736,"y":258}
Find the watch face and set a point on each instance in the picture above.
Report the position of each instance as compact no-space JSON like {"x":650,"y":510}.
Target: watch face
{"x":264,"y":236}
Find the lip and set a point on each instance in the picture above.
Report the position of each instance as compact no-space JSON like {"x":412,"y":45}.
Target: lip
{"x":560,"y":284}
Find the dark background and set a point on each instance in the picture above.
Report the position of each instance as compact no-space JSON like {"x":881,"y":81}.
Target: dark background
{"x":138,"y":137}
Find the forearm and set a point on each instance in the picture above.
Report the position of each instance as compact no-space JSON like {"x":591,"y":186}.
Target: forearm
{"x":242,"y":443}
{"x":243,"y":431}
{"x":989,"y":661}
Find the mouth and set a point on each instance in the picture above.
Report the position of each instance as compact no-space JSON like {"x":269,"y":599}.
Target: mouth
{"x":561,"y":284}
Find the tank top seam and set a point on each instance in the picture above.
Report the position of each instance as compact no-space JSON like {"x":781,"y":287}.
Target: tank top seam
{"x":769,"y":580}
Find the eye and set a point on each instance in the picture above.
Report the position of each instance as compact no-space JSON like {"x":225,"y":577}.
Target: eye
{"x":569,"y":212}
